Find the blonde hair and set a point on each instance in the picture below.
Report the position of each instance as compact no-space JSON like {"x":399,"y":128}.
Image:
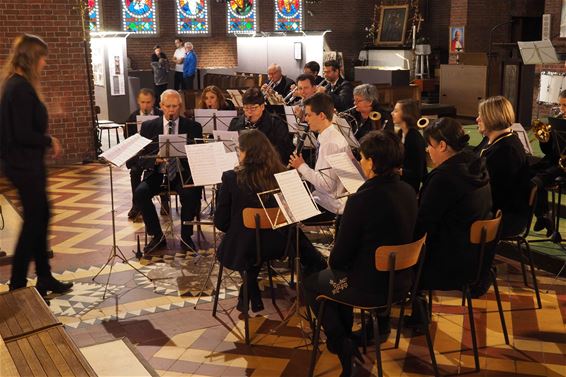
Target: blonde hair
{"x":496,"y":113}
{"x":23,"y":59}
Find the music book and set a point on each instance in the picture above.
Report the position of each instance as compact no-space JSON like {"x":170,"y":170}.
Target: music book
{"x":208,"y":170}
{"x":229,"y":138}
{"x":144,"y":118}
{"x":123,"y":151}
{"x":236,"y":97}
{"x":298,"y":203}
{"x":346,"y":171}
{"x":172,"y":145}
{"x":538,"y":52}
{"x":345,"y":129}
{"x":212,"y":119}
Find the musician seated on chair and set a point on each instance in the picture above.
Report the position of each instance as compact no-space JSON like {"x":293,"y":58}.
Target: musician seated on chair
{"x":255,"y":117}
{"x":146,"y":106}
{"x":319,"y":111}
{"x":365,"y":102}
{"x":177,"y":174}
{"x":455,"y":194}
{"x":382,"y":212}
{"x":305,"y":89}
{"x":339,"y":89}
{"x":313,"y":68}
{"x":279,"y":82}
{"x":237,"y":251}
{"x":545,"y":172}
{"x":213,"y":98}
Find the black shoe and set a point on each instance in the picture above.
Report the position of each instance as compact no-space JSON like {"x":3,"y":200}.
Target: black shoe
{"x":133,"y":213}
{"x":156,"y":243}
{"x":51,"y":284}
{"x":257,"y":304}
{"x":544,"y":222}
{"x":50,"y":253}
{"x":188,"y":244}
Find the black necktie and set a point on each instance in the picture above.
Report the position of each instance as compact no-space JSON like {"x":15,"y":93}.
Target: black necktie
{"x":171,"y":164}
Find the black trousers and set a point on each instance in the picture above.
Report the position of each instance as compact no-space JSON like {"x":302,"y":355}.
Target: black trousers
{"x":178,"y":83}
{"x":135,"y":179}
{"x":188,"y":82}
{"x":32,"y":242}
{"x":544,"y":175}
{"x":151,"y":186}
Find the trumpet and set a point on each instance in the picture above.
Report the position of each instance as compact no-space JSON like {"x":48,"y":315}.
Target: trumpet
{"x":267,"y":89}
{"x":423,"y":122}
{"x":541,"y":131}
{"x":291,"y":96}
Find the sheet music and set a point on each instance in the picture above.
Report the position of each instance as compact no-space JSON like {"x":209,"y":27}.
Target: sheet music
{"x":229,"y":138}
{"x":538,"y":52}
{"x":206,"y":118}
{"x":284,"y":208}
{"x":143,"y":118}
{"x":208,"y":171}
{"x":346,"y":171}
{"x":345,"y":129}
{"x":123,"y":151}
{"x":172,"y":145}
{"x":299,"y":201}
{"x":291,"y":119}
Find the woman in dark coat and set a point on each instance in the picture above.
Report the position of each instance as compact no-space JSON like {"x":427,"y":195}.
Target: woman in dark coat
{"x":259,"y":161}
{"x":24,"y":141}
{"x":406,"y":114}
{"x":382,"y":212}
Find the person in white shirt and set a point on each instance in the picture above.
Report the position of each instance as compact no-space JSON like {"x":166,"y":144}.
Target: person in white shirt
{"x":319,"y":110}
{"x":178,"y":58}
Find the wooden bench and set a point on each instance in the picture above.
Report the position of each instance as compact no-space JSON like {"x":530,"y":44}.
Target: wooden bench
{"x":33,"y":342}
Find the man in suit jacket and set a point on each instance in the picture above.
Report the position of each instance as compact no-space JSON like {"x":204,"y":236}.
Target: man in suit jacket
{"x":156,"y":169}
{"x":281,"y":84}
{"x":255,"y":117}
{"x":341,"y":91}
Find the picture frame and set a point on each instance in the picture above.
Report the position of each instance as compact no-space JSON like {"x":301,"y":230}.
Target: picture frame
{"x":392,"y":25}
{"x":455,"y":39}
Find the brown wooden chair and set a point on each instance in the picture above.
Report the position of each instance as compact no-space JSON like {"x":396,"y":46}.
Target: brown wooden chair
{"x":257,"y":219}
{"x":388,"y":259}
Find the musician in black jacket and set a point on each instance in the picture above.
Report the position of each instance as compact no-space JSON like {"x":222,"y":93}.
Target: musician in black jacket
{"x":506,"y":162}
{"x":279,"y":82}
{"x":339,"y":89}
{"x":365,"y":101}
{"x":24,"y":141}
{"x":255,"y":173}
{"x":406,"y":114}
{"x":313,"y":68}
{"x":146,"y":106}
{"x":156,"y":169}
{"x":255,"y":117}
{"x":382,"y":212}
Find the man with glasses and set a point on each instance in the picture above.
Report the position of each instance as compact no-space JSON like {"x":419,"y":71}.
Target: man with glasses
{"x":339,"y":89}
{"x":365,"y":102}
{"x":271,"y":125}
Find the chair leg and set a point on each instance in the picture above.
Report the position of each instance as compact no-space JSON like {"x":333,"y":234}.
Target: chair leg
{"x":430,"y":304}
{"x":246,"y":308}
{"x":521,"y":259}
{"x":217,"y":293}
{"x":499,"y":306}
{"x":463,"y":299}
{"x":429,"y":342}
{"x":271,"y":287}
{"x":292,"y":268}
{"x":472,"y":328}
{"x":533,"y":273}
{"x":364,"y":331}
{"x":316,"y":338}
{"x":377,"y":344}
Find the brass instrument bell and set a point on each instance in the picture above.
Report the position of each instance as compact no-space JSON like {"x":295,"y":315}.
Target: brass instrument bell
{"x":423,"y":122}
{"x":541,"y":130}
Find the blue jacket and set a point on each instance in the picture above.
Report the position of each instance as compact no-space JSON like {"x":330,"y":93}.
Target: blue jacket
{"x":190,"y":64}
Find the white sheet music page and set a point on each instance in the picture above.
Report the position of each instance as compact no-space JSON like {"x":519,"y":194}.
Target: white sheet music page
{"x":203,"y":163}
{"x":123,"y":151}
{"x":299,"y":201}
{"x":144,"y":118}
{"x":229,"y":138}
{"x":346,"y":171}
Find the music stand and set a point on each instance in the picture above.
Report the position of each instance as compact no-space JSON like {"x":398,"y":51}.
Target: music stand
{"x":345,"y":129}
{"x":212,"y":119}
{"x":538,"y":52}
{"x":117,"y":156}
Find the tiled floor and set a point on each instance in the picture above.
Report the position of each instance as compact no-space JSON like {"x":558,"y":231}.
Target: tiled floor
{"x":178,"y":336}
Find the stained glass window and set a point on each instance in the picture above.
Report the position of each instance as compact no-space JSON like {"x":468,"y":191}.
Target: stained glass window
{"x":288,"y":15}
{"x":93,"y":15}
{"x":192,"y":16}
{"x":242,"y":16}
{"x":138,"y":16}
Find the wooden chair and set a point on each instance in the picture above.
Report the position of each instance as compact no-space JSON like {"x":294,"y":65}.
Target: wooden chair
{"x":484,"y":235}
{"x":521,"y":238}
{"x":257,"y":219}
{"x":388,"y":259}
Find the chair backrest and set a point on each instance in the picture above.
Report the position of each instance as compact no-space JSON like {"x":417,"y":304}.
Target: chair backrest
{"x":249,"y":216}
{"x":403,"y":256}
{"x":485,"y":235}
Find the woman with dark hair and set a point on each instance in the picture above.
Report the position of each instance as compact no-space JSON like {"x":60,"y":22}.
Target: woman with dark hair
{"x":382,"y":212}
{"x":213,"y":98}
{"x":506,"y":162}
{"x":405,"y":115}
{"x":24,"y":141}
{"x":259,"y":161}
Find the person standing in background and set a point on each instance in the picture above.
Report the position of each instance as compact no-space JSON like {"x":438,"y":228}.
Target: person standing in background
{"x":189,"y":66}
{"x":179,"y":58}
{"x":160,"y":66}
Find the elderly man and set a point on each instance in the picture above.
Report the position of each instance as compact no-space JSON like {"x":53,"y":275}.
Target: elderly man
{"x":280,"y":83}
{"x":189,"y":66}
{"x":156,"y":169}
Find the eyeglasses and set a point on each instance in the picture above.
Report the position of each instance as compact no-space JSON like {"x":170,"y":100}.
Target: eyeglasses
{"x":251,"y":108}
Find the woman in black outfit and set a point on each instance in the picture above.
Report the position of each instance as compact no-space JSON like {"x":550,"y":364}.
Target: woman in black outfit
{"x":382,"y":212}
{"x":406,"y":114}
{"x":506,"y":162}
{"x":259,"y":161}
{"x":24,"y":140}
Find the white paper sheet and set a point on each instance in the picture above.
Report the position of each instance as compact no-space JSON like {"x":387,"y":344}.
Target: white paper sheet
{"x":143,"y":118}
{"x":342,"y":164}
{"x":229,"y":138}
{"x":206,"y":120}
{"x":123,"y":151}
{"x":208,"y":161}
{"x":299,"y":201}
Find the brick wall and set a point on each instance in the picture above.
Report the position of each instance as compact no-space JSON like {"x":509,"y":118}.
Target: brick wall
{"x":65,"y":78}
